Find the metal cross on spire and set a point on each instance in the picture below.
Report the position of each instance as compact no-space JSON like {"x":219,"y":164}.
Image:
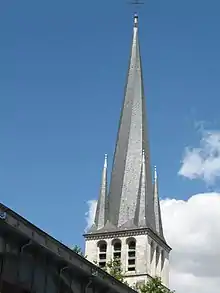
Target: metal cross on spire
{"x":136,"y":4}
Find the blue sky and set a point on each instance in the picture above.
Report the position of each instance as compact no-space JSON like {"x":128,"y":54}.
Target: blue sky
{"x":62,"y":72}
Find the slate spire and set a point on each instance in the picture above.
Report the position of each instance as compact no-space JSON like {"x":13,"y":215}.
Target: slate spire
{"x":140,"y":213}
{"x":101,"y":210}
{"x":131,"y":146}
{"x":157,"y":211}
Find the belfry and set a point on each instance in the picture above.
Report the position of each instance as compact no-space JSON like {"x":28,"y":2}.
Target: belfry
{"x":128,"y":221}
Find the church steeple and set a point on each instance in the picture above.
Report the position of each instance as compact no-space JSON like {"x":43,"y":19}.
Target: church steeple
{"x":101,"y":210}
{"x":131,"y":143}
{"x":128,"y":221}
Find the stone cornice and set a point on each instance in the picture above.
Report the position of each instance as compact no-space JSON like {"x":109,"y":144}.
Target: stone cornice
{"x":128,"y":233}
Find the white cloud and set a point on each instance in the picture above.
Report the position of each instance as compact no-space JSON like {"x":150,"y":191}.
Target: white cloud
{"x":192,"y":229}
{"x":203,"y":162}
{"x":90,"y":214}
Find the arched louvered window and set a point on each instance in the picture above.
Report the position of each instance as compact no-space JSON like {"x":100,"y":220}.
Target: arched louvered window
{"x":116,"y":243}
{"x":131,"y":246}
{"x":102,"y":254}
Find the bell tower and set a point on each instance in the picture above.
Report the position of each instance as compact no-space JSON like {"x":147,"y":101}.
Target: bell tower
{"x":128,"y":221}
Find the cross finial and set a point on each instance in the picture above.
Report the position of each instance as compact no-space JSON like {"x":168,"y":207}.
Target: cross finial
{"x":136,"y":4}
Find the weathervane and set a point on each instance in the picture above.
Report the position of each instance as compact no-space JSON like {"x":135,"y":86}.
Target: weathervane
{"x":136,"y":3}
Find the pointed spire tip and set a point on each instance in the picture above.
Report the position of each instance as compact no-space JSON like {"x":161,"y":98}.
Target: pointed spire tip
{"x":106,"y":161}
{"x":155,"y":172}
{"x":135,"y":19}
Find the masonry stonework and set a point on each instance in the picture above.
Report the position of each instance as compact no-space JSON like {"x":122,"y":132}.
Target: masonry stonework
{"x":151,"y":259}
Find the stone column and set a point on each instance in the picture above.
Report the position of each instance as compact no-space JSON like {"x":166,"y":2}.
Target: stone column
{"x":124,"y":252}
{"x":149,"y":256}
{"x":109,"y":255}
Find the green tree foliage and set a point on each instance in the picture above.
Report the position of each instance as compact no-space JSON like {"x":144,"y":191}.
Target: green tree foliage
{"x":113,"y":267}
{"x":78,"y":250}
{"x":154,"y":286}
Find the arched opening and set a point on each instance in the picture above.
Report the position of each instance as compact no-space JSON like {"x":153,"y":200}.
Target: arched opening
{"x":131,"y":246}
{"x":102,"y":253}
{"x":116,"y":243}
{"x":116,"y":248}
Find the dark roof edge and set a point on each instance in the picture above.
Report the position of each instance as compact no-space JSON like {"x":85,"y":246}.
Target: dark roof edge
{"x":28,"y":230}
